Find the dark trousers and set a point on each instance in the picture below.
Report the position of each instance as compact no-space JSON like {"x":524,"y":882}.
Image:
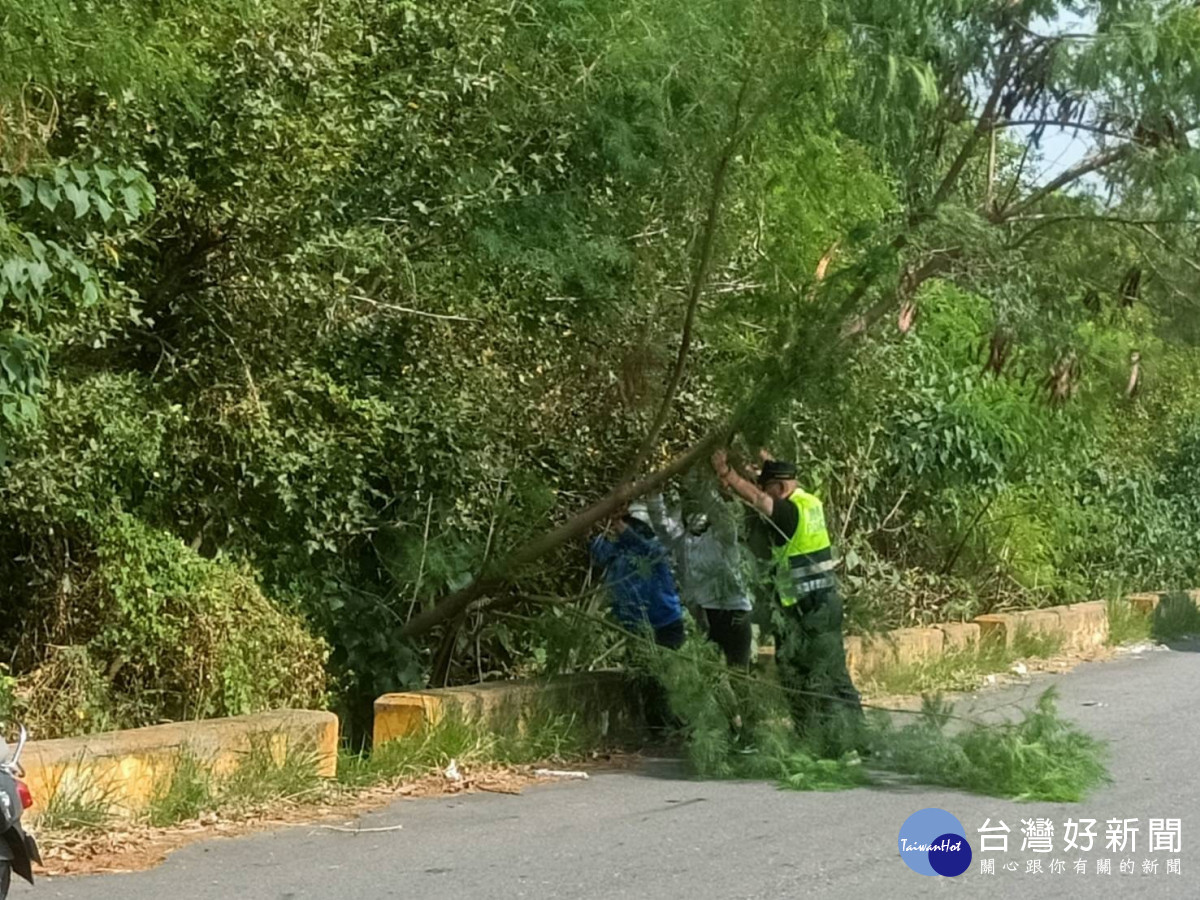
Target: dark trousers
{"x":670,"y":636}
{"x":811,"y":658}
{"x":729,"y":629}
{"x":658,"y":705}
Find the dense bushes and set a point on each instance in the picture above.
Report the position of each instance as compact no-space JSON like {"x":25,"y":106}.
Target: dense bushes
{"x":308,"y":310}
{"x":119,"y":622}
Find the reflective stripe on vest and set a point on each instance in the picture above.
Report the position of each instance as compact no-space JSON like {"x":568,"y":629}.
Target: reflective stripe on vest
{"x":807,"y":556}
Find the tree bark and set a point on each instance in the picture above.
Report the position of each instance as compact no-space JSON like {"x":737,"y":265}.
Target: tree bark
{"x":504,"y":571}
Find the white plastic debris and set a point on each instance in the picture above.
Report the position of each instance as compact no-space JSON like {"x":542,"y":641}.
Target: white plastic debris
{"x":1020,"y":669}
{"x":991,"y":679}
{"x":559,"y":773}
{"x":451,"y":772}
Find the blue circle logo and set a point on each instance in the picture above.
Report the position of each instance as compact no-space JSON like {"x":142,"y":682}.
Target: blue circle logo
{"x":933,"y":842}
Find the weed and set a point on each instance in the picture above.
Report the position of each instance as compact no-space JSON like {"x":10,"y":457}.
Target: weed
{"x":1126,"y":624}
{"x":185,"y":792}
{"x":265,"y":774}
{"x":1175,"y":616}
{"x":81,"y":803}
{"x":960,"y":668}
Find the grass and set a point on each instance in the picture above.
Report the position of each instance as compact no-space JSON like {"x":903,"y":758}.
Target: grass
{"x":1126,"y":625}
{"x":959,"y":669}
{"x":541,"y":737}
{"x":81,"y":804}
{"x":266,"y":775}
{"x":189,"y":788}
{"x":184,"y":793}
{"x":1176,"y":616}
{"x":270,"y":772}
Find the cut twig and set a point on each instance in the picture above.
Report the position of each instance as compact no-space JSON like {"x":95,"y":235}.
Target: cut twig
{"x":362,"y":830}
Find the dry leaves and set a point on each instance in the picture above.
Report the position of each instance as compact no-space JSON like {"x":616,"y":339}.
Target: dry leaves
{"x":130,"y":847}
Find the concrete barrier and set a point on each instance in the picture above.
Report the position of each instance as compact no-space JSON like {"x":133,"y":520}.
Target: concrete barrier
{"x":1004,"y":627}
{"x":1082,"y":626}
{"x":961,"y":636}
{"x":903,"y":647}
{"x":123,"y":769}
{"x":611,"y":700}
{"x":1145,"y":603}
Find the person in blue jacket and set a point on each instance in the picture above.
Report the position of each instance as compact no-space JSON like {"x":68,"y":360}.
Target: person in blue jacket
{"x":638,"y":572}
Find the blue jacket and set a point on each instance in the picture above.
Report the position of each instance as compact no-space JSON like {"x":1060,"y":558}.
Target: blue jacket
{"x":639,"y":579}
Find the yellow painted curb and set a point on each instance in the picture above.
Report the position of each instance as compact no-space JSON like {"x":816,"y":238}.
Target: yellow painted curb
{"x":609,"y":698}
{"x":124,"y":769}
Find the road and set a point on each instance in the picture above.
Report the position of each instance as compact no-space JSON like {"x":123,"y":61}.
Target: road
{"x":653,"y":833}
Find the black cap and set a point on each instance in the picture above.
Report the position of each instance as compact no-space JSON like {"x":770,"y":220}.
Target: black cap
{"x":776,"y":470}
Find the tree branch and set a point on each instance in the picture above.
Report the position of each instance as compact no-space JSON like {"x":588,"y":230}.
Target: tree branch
{"x":983,"y":125}
{"x":1049,"y":220}
{"x":699,"y":278}
{"x":1067,"y":178}
{"x":502,"y":573}
{"x":1056,"y":123}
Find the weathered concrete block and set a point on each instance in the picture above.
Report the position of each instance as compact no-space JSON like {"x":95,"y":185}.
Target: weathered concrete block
{"x":874,"y":652}
{"x":998,"y":627}
{"x":1083,"y":626}
{"x":124,"y":769}
{"x":610,"y":696}
{"x":904,"y":646}
{"x":1144,"y":603}
{"x":914,"y":645}
{"x":959,"y":635}
{"x":1004,"y":627}
{"x":1038,"y":622}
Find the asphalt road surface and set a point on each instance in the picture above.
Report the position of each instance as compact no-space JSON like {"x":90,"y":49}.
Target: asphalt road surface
{"x":654,"y":833}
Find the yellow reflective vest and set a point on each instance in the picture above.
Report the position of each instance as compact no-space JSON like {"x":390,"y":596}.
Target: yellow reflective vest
{"x":805,"y":563}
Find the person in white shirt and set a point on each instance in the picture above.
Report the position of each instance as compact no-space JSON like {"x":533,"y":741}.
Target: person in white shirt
{"x":703,"y":538}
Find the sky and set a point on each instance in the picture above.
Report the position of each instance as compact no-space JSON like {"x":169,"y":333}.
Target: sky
{"x":1061,"y":148}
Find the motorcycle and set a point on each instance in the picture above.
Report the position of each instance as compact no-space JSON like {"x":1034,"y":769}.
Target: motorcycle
{"x":18,"y":849}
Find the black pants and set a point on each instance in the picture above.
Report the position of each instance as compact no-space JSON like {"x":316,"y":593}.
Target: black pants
{"x":811,"y":657}
{"x":670,"y":636}
{"x":729,"y":629}
{"x":658,"y":705}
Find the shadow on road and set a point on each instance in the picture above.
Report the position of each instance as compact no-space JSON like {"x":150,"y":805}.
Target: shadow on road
{"x":1176,"y":623}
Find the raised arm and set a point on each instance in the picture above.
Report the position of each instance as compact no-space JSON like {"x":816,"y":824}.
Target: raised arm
{"x":740,"y":485}
{"x":667,"y":525}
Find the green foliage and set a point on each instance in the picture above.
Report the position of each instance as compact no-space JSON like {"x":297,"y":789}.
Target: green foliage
{"x":183,"y":793}
{"x":8,"y":686}
{"x":1039,"y":757}
{"x":309,"y":311}
{"x":208,"y":639}
{"x":1176,"y":615}
{"x":1126,"y":624}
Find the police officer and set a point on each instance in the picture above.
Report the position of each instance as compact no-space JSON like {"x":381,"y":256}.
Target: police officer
{"x":810,"y":653}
